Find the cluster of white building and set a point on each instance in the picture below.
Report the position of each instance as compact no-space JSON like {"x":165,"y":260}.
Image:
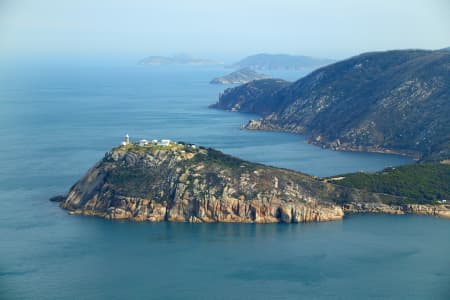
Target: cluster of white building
{"x":159,"y":143}
{"x":141,"y":143}
{"x":163,"y":142}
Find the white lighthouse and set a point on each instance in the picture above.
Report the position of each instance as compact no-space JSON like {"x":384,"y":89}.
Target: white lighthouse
{"x":127,"y":140}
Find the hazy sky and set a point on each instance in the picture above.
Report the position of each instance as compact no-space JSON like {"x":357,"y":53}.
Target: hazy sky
{"x":218,"y":29}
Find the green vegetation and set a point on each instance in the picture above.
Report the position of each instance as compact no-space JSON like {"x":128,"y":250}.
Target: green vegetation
{"x":151,"y":147}
{"x":217,"y":159}
{"x":426,"y":183}
{"x":131,"y":180}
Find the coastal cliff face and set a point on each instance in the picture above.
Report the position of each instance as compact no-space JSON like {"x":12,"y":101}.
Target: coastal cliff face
{"x":180,"y":183}
{"x":256,"y":96}
{"x":393,"y":101}
{"x":183,"y":183}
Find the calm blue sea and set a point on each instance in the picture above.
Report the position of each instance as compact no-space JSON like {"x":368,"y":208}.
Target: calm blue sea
{"x":57,"y":120}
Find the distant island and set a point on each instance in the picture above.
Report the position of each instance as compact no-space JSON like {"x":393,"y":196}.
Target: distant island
{"x":391,"y":102}
{"x":266,"y":61}
{"x":177,"y":60}
{"x":240,"y":76}
{"x":174,"y":181}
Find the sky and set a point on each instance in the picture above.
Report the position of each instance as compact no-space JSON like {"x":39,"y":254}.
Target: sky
{"x":219,"y":29}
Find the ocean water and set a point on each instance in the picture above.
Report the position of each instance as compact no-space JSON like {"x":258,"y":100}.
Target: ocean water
{"x":58,"y":120}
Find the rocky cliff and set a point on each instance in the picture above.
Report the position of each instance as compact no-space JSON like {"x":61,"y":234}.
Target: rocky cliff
{"x":393,"y":101}
{"x":258,"y":96}
{"x":182,"y":183}
{"x":186,"y":184}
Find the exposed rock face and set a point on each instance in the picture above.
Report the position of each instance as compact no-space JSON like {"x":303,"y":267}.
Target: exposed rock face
{"x":182,"y":183}
{"x":150,"y":184}
{"x":256,"y":96}
{"x":394,"y":102}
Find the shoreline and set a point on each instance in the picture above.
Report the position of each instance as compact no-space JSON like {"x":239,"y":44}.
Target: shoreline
{"x":440,"y":211}
{"x":127,"y":185}
{"x":360,"y":208}
{"x":258,"y":125}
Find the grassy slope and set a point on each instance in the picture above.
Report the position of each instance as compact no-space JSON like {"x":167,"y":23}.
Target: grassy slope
{"x":419,"y":183}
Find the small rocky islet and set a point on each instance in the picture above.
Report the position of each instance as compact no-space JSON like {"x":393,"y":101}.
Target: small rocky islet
{"x":240,"y":76}
{"x":169,"y":181}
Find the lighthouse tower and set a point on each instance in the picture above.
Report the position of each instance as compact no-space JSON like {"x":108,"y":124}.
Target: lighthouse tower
{"x":127,"y":139}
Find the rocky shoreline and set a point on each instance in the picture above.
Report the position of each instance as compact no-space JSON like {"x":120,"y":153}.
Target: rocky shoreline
{"x":224,"y":211}
{"x":266,"y":125}
{"x":141,"y":210}
{"x":237,"y":211}
{"x":442,"y":211}
{"x":183,"y":183}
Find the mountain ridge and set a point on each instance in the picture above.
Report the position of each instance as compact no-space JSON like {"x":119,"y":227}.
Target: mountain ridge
{"x":266,"y":61}
{"x":394,"y":101}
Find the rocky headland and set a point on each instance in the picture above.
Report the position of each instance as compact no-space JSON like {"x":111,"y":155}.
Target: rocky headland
{"x":391,"y":102}
{"x":185,"y":183}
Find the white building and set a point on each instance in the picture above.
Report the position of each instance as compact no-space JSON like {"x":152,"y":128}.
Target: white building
{"x":164,"y":143}
{"x":143,"y":143}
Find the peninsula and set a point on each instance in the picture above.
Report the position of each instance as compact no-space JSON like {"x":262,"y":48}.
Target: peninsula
{"x":240,"y":76}
{"x":169,"y":181}
{"x":177,"y":60}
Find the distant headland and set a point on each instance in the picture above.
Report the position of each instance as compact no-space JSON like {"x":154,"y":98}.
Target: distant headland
{"x":182,"y":59}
